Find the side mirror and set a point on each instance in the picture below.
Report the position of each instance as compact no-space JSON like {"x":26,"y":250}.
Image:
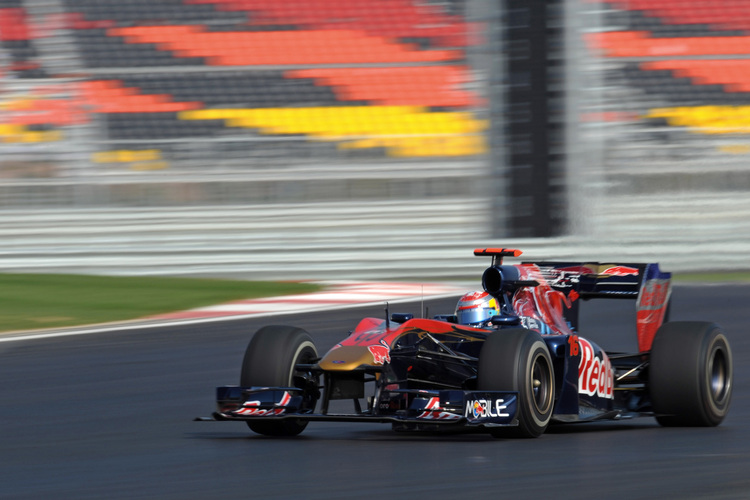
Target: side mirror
{"x":401,"y":317}
{"x":501,"y":320}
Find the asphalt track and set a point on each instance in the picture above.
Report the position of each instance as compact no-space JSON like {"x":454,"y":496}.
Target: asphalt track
{"x":110,"y":415}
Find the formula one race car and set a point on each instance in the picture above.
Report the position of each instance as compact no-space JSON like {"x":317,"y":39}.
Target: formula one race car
{"x":525,"y":367}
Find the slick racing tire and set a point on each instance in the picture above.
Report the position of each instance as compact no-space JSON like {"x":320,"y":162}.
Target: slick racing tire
{"x":270,"y":361}
{"x":518,"y":360}
{"x":690,"y":374}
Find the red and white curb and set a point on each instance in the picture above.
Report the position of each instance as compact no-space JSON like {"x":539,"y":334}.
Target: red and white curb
{"x":337,"y":295}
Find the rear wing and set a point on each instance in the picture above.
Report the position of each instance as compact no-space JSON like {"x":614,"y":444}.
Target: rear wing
{"x":646,"y":284}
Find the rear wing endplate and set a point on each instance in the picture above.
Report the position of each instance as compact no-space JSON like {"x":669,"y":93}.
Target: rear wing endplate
{"x":645,"y":283}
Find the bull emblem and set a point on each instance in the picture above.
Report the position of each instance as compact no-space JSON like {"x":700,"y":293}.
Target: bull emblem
{"x":381,"y":353}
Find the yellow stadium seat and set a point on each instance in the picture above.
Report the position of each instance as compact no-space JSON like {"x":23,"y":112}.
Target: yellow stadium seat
{"x":406,"y":131}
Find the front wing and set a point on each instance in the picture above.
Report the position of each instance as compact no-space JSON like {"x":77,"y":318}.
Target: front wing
{"x":441,"y":407}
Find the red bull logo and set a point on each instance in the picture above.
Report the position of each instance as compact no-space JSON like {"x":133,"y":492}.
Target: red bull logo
{"x":654,"y":296}
{"x":542,"y":303}
{"x":381,"y":353}
{"x":433,"y":411}
{"x":595,"y":375}
{"x":620,"y":271}
{"x":251,"y":408}
{"x":652,"y":308}
{"x":575,"y":270}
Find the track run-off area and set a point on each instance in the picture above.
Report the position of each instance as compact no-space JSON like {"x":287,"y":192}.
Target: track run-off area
{"x":109,"y":414}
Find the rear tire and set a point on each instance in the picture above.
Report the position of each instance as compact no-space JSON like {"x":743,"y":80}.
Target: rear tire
{"x":690,"y":374}
{"x":270,"y":361}
{"x":518,"y":360}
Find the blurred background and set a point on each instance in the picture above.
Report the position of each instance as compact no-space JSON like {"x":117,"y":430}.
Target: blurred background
{"x":371,"y":139}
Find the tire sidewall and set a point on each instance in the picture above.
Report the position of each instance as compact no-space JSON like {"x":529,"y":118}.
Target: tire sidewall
{"x":269,"y":361}
{"x":684,"y":359}
{"x":272,"y":353}
{"x":506,"y":363}
{"x":716,"y":351}
{"x":538,"y":354}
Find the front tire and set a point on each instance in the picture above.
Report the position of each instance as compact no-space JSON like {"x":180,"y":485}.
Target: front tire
{"x":270,"y":361}
{"x":690,"y":374}
{"x":518,"y":360}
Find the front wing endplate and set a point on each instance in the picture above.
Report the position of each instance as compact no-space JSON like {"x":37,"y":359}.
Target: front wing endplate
{"x":446,"y":407}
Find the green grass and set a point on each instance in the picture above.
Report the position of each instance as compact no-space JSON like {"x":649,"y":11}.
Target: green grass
{"x":32,"y":301}
{"x":715,"y":277}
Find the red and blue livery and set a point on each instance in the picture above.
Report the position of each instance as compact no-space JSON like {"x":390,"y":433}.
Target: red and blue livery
{"x":528,"y":367}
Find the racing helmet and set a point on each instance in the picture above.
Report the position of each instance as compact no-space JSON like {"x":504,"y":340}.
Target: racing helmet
{"x":476,"y":308}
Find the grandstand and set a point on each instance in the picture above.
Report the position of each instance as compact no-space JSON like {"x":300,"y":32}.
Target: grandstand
{"x":685,"y":65}
{"x":322,"y":77}
{"x":201,"y":103}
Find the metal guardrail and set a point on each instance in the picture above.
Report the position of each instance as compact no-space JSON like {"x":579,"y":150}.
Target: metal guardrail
{"x":427,"y":239}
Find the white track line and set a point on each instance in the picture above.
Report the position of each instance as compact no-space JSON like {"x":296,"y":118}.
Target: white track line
{"x":316,"y":302}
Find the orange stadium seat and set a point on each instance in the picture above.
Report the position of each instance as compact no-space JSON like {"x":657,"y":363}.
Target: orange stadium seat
{"x":13,"y":24}
{"x":697,"y":69}
{"x":278,"y":47}
{"x":437,"y":86}
{"x":734,"y":74}
{"x":641,"y":44}
{"x":109,"y":96}
{"x":389,"y":18}
{"x":719,"y":14}
{"x":17,"y":41}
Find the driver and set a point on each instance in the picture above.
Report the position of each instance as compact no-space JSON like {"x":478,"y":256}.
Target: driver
{"x":476,"y":309}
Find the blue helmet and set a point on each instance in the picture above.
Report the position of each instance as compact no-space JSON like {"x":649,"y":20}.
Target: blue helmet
{"x":476,"y":308}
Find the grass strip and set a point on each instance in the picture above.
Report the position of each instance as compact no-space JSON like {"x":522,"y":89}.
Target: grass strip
{"x":32,"y":301}
{"x":713,"y":277}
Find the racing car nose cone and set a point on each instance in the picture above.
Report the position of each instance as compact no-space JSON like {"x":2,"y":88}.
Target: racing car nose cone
{"x":348,"y":358}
